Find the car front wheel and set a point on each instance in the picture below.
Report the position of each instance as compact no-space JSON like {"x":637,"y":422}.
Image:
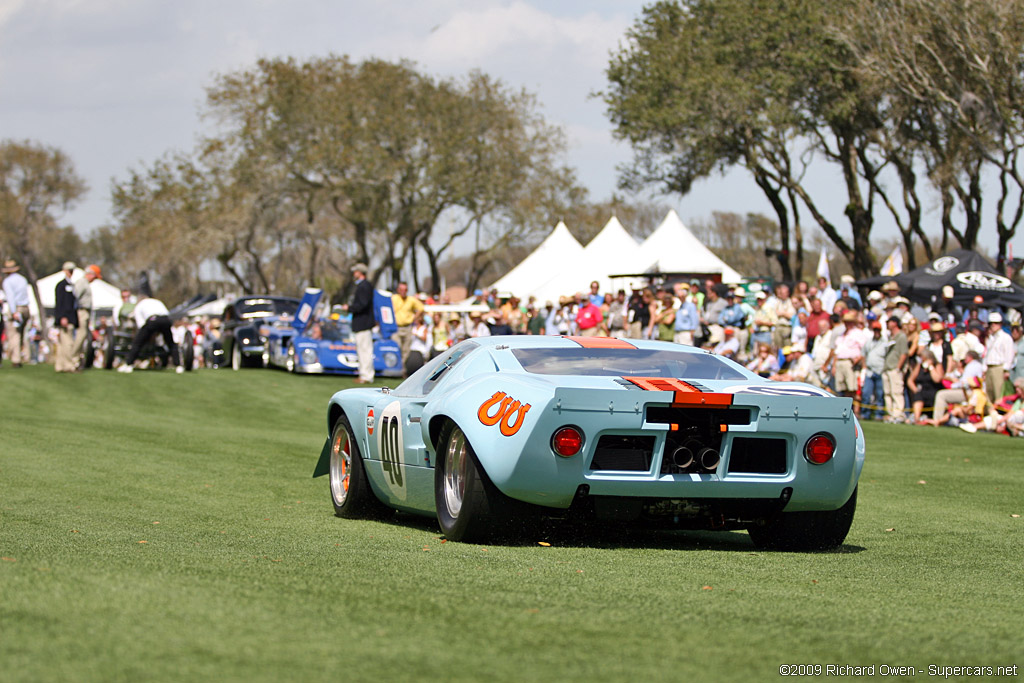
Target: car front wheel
{"x":818,"y":530}
{"x":350,"y":488}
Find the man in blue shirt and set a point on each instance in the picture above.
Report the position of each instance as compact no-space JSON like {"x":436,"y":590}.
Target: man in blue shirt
{"x":735,"y":317}
{"x":687,"y":318}
{"x":16,"y":293}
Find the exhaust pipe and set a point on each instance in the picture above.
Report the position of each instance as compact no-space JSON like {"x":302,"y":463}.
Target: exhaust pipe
{"x":708,"y":458}
{"x":683,"y":457}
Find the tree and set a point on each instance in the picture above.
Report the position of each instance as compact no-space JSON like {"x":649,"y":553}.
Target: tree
{"x":952,"y":72}
{"x":704,"y":85}
{"x":38,"y":184}
{"x":397,"y":155}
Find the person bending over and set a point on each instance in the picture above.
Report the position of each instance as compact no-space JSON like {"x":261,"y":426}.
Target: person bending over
{"x":151,"y":318}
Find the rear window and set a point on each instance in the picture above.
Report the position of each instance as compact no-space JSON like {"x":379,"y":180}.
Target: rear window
{"x":263,"y":308}
{"x":625,"y":362}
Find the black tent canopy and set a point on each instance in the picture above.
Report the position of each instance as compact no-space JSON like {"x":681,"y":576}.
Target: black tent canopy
{"x":969,"y":274}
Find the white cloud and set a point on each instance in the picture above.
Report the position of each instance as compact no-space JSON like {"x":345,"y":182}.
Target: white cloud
{"x":8,"y":8}
{"x":474,"y":36}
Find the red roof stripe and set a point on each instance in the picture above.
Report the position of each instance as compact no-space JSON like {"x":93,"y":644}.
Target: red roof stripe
{"x":601,"y":342}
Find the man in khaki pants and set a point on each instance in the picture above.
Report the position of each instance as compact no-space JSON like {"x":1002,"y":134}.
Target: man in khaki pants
{"x":16,"y":292}
{"x":83,"y":295}
{"x":66,"y":319}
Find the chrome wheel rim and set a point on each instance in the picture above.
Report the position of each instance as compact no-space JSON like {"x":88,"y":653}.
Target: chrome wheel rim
{"x":341,"y":465}
{"x":455,"y":462}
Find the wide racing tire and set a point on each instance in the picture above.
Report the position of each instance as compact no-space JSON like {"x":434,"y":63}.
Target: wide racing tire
{"x":804,"y":531}
{"x":188,"y":352}
{"x":109,"y":350}
{"x":350,"y":487}
{"x":470,"y":508}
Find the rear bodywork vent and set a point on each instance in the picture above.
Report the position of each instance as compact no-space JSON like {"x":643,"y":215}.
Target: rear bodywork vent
{"x":694,"y":441}
{"x":752,"y":455}
{"x":706,"y":418}
{"x":623,"y":452}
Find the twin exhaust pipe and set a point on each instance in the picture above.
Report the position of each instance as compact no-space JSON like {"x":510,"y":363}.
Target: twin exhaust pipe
{"x":693,"y":456}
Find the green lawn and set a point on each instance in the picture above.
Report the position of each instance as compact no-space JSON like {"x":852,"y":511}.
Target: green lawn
{"x":164,"y":527}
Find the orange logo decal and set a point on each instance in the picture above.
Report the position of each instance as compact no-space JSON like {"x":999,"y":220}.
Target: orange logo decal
{"x":507,"y":409}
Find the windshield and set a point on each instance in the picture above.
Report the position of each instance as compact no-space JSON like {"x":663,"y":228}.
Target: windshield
{"x":423,"y":381}
{"x":625,"y":363}
{"x":333,"y":330}
{"x":266,"y":307}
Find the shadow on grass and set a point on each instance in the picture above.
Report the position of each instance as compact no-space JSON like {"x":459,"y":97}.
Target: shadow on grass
{"x":610,"y":536}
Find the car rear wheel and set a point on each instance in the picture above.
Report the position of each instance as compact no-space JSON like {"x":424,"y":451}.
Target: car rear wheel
{"x":188,"y":352}
{"x":109,"y":350}
{"x":469,"y":506}
{"x":350,"y":488}
{"x":824,"y":530}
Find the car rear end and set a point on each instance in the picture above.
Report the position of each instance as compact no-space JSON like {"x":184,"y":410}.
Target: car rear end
{"x":680,"y":452}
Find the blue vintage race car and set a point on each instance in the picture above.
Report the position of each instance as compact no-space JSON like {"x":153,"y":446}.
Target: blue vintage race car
{"x":312,"y":344}
{"x":498,"y":430}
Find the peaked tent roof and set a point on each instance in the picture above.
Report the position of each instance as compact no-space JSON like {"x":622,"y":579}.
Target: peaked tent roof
{"x":611,"y":251}
{"x":557,"y":248}
{"x":969,"y":274}
{"x":672,"y":248}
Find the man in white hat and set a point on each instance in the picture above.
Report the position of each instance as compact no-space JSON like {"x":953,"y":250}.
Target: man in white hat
{"x":16,"y":293}
{"x":83,"y":294}
{"x":363,"y":321}
{"x":1000,"y":355}
{"x":66,"y":316}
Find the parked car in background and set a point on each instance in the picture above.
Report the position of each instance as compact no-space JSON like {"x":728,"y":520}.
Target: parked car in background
{"x":243,"y":342}
{"x":317,"y":341}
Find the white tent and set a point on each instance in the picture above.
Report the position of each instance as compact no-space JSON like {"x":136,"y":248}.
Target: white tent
{"x":672,"y":248}
{"x":213,"y":308}
{"x":104,"y":294}
{"x":548,"y":259}
{"x":611,"y":251}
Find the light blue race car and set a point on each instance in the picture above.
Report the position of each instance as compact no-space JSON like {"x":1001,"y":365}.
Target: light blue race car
{"x":499,"y":431}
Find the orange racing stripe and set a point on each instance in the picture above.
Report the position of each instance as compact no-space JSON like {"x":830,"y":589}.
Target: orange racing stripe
{"x":601,"y":342}
{"x":684,"y":394}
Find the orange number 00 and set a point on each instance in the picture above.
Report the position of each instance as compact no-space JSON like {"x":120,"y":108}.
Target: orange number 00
{"x":507,"y":408}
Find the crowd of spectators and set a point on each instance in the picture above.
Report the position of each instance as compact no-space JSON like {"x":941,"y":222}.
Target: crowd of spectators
{"x":939,"y":365}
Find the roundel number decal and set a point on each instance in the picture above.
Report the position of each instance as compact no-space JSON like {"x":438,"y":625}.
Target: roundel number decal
{"x":391,"y":448}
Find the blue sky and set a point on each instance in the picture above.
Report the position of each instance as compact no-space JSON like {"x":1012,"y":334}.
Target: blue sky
{"x":117,"y":83}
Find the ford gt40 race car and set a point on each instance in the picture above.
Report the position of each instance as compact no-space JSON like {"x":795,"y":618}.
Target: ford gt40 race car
{"x":497,"y":431}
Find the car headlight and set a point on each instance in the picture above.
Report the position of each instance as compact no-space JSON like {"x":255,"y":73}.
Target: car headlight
{"x":245,"y":340}
{"x":309,"y":357}
{"x":391,"y":359}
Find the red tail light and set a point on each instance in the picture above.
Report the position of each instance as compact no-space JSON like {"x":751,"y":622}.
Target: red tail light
{"x":820,"y":448}
{"x":567,"y":441}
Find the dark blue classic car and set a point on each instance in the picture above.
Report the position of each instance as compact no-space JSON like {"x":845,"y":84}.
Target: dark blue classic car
{"x":317,"y":344}
{"x":243,"y":343}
